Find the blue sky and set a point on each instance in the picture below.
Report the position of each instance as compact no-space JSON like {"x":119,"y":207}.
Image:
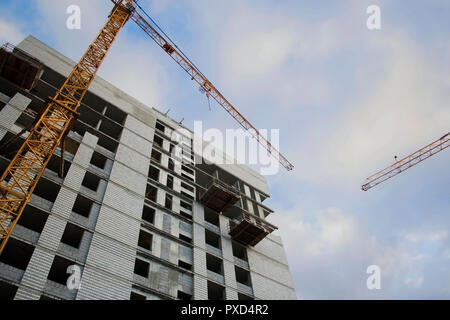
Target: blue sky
{"x":346,"y":100}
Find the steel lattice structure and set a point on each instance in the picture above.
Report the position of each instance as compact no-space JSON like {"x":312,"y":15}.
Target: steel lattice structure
{"x":407,"y":162}
{"x":59,"y":114}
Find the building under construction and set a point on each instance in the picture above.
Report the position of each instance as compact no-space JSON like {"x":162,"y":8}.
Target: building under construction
{"x":126,"y":202}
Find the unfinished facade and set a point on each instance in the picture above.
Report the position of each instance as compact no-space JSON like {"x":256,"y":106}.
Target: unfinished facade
{"x":131,"y":209}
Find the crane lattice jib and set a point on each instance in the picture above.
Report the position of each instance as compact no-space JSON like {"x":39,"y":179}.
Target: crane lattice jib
{"x":207,"y":86}
{"x":407,"y":162}
{"x":25,"y":169}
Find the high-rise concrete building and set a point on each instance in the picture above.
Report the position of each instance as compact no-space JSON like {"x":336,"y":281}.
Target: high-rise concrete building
{"x":132,"y":210}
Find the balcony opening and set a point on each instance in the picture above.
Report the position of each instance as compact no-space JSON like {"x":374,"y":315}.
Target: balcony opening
{"x":187,"y":177}
{"x":145,"y":240}
{"x":98,"y":160}
{"x":153,"y":173}
{"x":187,"y":195}
{"x":212,"y":217}
{"x":171,"y":165}
{"x":7,"y":291}
{"x":136,"y":296}
{"x":186,"y":169}
{"x":72,"y":235}
{"x":183,"y":296}
{"x":185,"y":205}
{"x":184,"y":265}
{"x":148,"y":214}
{"x":88,"y":116}
{"x":158,"y":141}
{"x":33,"y":218}
{"x":47,"y":189}
{"x":107,"y":143}
{"x":156,"y":156}
{"x":71,"y":146}
{"x":239,"y":251}
{"x":17,"y":254}
{"x":55,"y":164}
{"x":242,"y":276}
{"x":185,"y":238}
{"x":244,"y":297}
{"x":141,"y":268}
{"x":115,"y":114}
{"x":58,"y":271}
{"x":169,"y":182}
{"x":82,"y":206}
{"x":169,"y":201}
{"x":186,"y":215}
{"x":213,"y":239}
{"x":91,"y":181}
{"x":44,"y":298}
{"x":187,"y":187}
{"x":151,"y":192}
{"x":215,"y":291}
{"x":214,"y":264}
{"x":9,"y":150}
{"x":160,"y":127}
{"x":110,"y":128}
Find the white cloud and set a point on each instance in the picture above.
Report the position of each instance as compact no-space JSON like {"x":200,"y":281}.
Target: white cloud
{"x":259,"y":53}
{"x":405,"y":109}
{"x":328,"y":257}
{"x":10,"y":32}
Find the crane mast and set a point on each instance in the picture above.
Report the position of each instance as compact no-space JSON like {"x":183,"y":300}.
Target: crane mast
{"x":55,"y":121}
{"x":407,"y":162}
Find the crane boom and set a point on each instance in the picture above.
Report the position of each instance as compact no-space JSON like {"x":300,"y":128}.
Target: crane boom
{"x":407,"y":162}
{"x":59,"y":114}
{"x":207,"y":86}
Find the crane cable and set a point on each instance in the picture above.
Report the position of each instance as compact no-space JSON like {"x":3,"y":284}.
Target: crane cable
{"x":170,"y":40}
{"x":173,"y":44}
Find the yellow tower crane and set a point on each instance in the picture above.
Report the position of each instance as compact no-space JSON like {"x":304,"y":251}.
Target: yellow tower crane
{"x":60,"y":113}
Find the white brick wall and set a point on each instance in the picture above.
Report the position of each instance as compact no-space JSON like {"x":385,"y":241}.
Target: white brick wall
{"x":229,"y":274}
{"x":199,"y":236}
{"x":231,"y":294}
{"x":35,"y":275}
{"x":124,"y":200}
{"x":267,"y":289}
{"x":128,"y":178}
{"x":271,"y":278}
{"x":199,"y":261}
{"x":142,"y":129}
{"x":111,"y":256}
{"x":99,"y":285}
{"x":118,"y":226}
{"x":136,"y":142}
{"x":133,"y":159}
{"x":52,"y":232}
{"x":11,"y":112}
{"x":200,"y":288}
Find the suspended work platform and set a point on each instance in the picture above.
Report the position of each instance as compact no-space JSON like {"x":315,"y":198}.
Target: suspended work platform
{"x":18,"y":67}
{"x":219,"y":196}
{"x":249,"y":229}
